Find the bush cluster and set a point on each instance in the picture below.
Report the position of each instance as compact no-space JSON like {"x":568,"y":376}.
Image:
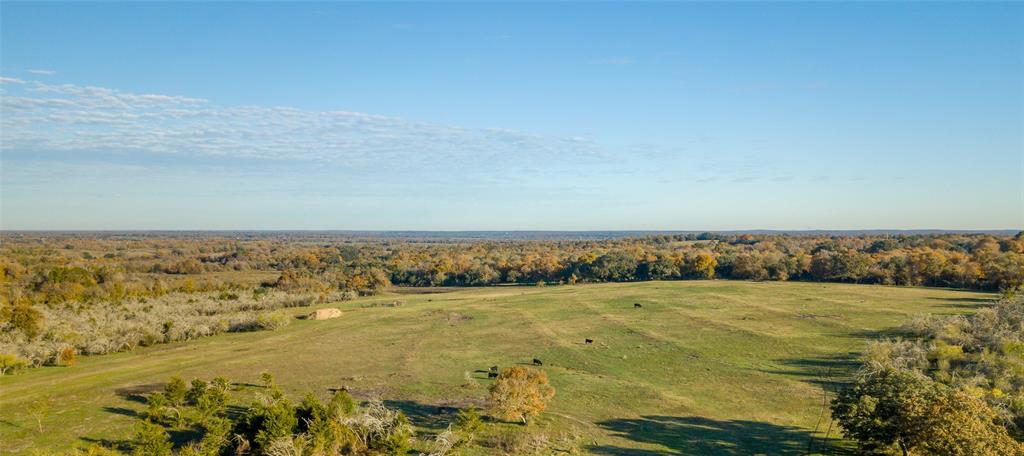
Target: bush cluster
{"x":62,"y":331}
{"x":956,"y":389}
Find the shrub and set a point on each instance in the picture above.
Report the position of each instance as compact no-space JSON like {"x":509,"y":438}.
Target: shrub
{"x":265,"y":423}
{"x":341,"y":404}
{"x":468,"y":423}
{"x":151,"y":440}
{"x":273,"y":320}
{"x":66,"y":356}
{"x":176,"y":391}
{"x":508,"y":440}
{"x":10,"y":363}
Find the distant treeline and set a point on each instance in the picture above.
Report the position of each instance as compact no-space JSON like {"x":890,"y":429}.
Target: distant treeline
{"x":50,"y":269}
{"x":68,"y":294}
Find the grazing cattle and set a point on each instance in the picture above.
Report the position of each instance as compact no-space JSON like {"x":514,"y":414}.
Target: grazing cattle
{"x":537,"y":362}
{"x":637,"y":305}
{"x":494,"y":368}
{"x":492,"y":375}
{"x":589,"y":341}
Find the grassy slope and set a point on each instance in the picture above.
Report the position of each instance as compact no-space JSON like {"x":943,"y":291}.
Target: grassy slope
{"x":703,"y":367}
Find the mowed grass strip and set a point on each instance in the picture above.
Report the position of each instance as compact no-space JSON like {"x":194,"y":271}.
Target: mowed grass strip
{"x":704,"y":367}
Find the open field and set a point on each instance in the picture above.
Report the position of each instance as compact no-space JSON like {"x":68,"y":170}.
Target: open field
{"x":705,"y":367}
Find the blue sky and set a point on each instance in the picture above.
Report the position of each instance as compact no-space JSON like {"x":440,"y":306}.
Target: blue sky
{"x":499,"y":116}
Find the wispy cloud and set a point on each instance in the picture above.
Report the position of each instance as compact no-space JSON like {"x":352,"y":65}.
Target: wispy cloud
{"x":45,"y":118}
{"x":43,"y":72}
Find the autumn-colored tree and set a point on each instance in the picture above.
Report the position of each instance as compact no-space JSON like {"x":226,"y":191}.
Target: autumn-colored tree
{"x":19,"y":314}
{"x":520,"y":393}
{"x":961,"y":425}
{"x":703,"y":265}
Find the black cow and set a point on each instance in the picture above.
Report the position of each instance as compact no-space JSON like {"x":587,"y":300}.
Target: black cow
{"x":637,"y":305}
{"x":537,"y":362}
{"x":492,"y":375}
{"x":589,"y":341}
{"x":494,"y":369}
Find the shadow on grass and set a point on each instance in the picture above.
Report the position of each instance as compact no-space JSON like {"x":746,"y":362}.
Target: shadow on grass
{"x":122,"y":411}
{"x":427,"y":416}
{"x":139,"y":393}
{"x":875,"y":334}
{"x":432,"y":417}
{"x":697,"y":435}
{"x":964,"y":303}
{"x":964,"y":300}
{"x":180,"y":437}
{"x":122,"y":445}
{"x":829,"y":372}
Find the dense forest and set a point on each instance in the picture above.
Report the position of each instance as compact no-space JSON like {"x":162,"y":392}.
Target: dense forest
{"x":92,"y":293}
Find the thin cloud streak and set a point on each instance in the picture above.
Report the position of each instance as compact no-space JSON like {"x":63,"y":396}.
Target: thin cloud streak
{"x":44,"y":118}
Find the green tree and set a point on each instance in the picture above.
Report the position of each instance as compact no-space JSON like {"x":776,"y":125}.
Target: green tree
{"x":615,"y":266}
{"x":887,"y":409}
{"x":176,"y":391}
{"x":151,"y":440}
{"x":906,"y":410}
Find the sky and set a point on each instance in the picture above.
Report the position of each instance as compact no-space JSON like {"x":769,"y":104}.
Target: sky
{"x":511,"y":116}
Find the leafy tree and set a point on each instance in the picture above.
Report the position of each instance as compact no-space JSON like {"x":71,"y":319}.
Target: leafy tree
{"x":521,"y":393}
{"x":961,"y":425}
{"x":703,"y":265}
{"x":615,"y":266}
{"x":749,"y":266}
{"x":21,"y":316}
{"x":887,"y":409}
{"x":906,"y":410}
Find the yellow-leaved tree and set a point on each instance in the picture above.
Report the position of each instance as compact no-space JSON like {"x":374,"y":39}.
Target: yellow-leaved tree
{"x":520,"y":393}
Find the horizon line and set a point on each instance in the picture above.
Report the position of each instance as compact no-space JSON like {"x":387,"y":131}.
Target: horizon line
{"x":346,"y":230}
